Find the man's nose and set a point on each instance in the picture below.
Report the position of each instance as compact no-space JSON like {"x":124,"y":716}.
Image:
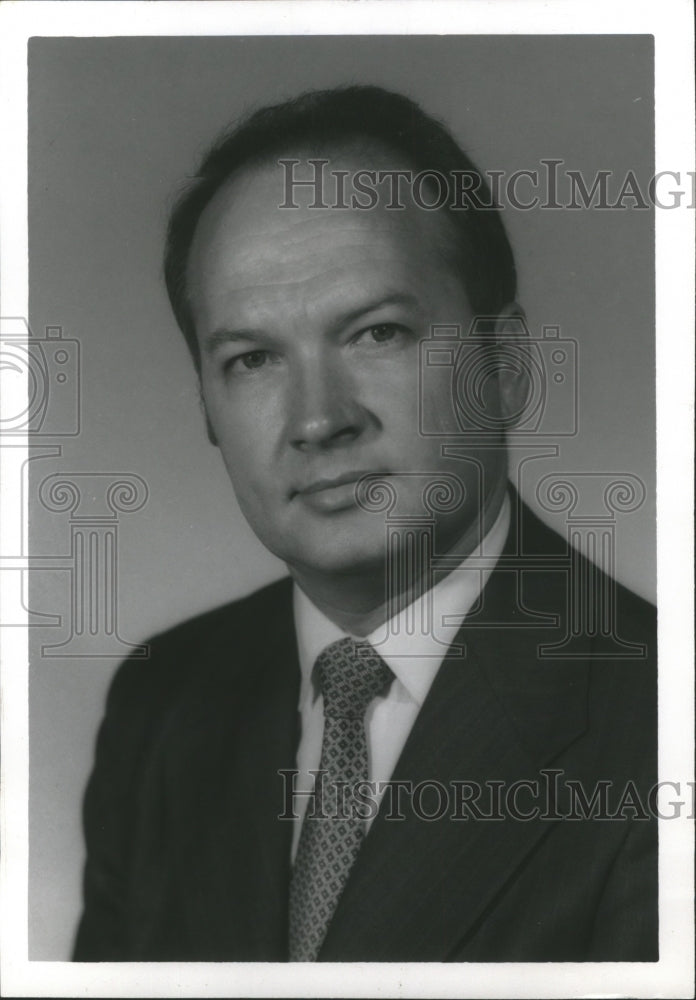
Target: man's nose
{"x":324,"y":411}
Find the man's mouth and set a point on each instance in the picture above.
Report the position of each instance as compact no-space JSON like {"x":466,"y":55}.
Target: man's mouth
{"x":332,"y":493}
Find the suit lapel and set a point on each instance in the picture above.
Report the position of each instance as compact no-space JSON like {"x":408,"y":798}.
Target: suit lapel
{"x":499,"y":714}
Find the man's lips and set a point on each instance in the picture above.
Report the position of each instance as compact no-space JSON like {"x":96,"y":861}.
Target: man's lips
{"x":319,"y":485}
{"x":335,"y":492}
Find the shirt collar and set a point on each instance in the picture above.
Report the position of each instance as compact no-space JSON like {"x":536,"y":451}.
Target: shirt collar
{"x":446,"y":605}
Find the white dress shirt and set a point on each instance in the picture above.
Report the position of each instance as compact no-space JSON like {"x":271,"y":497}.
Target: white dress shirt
{"x":390,"y":717}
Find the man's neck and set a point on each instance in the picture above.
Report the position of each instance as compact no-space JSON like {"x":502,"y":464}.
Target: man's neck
{"x":359,"y":603}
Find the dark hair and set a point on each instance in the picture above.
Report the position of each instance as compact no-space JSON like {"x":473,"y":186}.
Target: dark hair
{"x":343,"y":115}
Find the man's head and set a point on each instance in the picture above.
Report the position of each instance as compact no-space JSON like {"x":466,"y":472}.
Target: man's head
{"x":305,"y":323}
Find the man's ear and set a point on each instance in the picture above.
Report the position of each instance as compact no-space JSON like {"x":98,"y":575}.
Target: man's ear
{"x":514,"y":374}
{"x":208,"y":426}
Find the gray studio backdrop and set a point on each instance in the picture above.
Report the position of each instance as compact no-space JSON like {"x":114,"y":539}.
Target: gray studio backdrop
{"x":115,"y":125}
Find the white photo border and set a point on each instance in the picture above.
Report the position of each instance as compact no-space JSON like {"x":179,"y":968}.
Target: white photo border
{"x":672,"y":28}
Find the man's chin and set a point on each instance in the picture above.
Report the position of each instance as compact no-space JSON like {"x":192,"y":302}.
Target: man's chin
{"x":340,"y":555}
{"x":355,"y":562}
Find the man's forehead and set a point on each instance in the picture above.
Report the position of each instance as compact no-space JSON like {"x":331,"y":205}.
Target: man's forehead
{"x":309,"y":174}
{"x":251,"y":221}
{"x":284,"y":190}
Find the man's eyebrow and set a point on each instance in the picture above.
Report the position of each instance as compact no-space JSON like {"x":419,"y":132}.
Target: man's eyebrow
{"x":396,"y":299}
{"x":223,"y":336}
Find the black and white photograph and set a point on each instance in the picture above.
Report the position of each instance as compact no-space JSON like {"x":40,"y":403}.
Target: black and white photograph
{"x":347,"y":463}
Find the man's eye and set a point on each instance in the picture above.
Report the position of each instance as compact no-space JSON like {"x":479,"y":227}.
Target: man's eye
{"x":381,"y":333}
{"x":250,"y":361}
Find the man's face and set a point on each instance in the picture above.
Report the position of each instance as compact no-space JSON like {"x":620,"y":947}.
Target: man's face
{"x":309,"y":323}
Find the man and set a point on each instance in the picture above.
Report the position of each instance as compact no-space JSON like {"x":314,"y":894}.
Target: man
{"x":396,"y":672}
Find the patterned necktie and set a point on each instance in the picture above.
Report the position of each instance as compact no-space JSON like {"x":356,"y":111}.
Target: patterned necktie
{"x":351,"y":674}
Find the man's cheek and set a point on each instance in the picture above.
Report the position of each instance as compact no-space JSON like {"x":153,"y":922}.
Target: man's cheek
{"x":397,"y":413}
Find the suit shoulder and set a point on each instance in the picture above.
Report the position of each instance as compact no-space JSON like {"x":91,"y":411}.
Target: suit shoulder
{"x":632,"y":606}
{"x":533,"y":536}
{"x":245,"y":613}
{"x":183,"y":651}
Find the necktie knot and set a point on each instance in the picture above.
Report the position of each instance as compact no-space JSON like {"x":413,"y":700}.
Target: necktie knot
{"x":351,"y":674}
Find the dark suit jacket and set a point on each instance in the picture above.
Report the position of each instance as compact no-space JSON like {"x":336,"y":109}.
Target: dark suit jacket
{"x":187,"y":859}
